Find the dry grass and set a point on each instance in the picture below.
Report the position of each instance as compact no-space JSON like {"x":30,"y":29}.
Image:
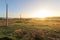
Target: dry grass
{"x":31,"y":30}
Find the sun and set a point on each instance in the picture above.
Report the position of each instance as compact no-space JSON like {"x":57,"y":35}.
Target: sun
{"x":42,"y":14}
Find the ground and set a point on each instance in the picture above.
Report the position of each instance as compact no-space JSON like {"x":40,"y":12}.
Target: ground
{"x":30,"y":30}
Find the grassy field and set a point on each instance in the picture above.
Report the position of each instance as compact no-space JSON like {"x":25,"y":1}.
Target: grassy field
{"x":31,"y":30}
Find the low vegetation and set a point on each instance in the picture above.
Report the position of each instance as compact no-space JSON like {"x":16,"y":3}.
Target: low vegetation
{"x":31,"y":30}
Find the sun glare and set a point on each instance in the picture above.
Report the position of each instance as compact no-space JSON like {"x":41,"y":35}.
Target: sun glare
{"x":42,"y":14}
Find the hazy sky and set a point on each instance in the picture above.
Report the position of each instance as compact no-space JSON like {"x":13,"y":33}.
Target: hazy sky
{"x":28,"y":7}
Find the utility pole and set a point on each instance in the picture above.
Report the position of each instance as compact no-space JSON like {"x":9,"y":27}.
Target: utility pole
{"x":20,"y":16}
{"x":6,"y":13}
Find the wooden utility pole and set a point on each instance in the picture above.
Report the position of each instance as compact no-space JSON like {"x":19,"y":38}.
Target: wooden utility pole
{"x":6,"y":13}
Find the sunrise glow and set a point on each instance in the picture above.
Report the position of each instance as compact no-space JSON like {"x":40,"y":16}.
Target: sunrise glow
{"x":42,"y":14}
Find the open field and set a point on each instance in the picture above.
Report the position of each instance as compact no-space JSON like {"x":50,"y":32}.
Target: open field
{"x":31,"y":29}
